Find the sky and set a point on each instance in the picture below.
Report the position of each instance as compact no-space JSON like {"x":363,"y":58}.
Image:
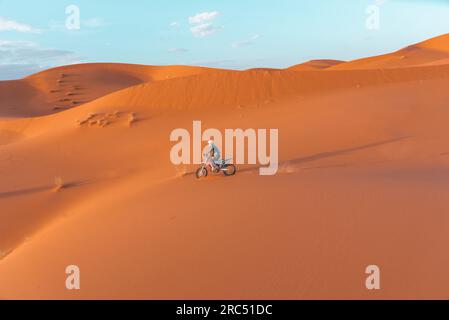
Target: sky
{"x":234,"y":34}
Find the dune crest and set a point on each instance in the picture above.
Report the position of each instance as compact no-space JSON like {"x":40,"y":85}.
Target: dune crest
{"x":316,"y":65}
{"x":423,"y":53}
{"x":256,"y":88}
{"x":63,"y":88}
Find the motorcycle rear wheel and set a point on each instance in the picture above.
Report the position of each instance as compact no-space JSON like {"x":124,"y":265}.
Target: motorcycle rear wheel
{"x":201,"y":173}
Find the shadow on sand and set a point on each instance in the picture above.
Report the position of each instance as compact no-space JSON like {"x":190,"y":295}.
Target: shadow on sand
{"x":331,"y":154}
{"x":28,"y":191}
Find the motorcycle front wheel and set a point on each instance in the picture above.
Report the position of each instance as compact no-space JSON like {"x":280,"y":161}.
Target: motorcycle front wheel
{"x":230,"y":170}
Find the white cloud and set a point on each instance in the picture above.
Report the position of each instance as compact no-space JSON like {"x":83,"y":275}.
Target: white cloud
{"x":26,"y":52}
{"x":11,"y":25}
{"x":17,"y":71}
{"x":246,"y":42}
{"x":202,"y":24}
{"x":203,"y":17}
{"x":204,"y":30}
{"x":174,"y":24}
{"x":18,"y":58}
{"x":177,"y":50}
{"x":8,"y":44}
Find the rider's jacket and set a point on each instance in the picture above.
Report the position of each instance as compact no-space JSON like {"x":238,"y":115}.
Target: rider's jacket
{"x":214,"y":152}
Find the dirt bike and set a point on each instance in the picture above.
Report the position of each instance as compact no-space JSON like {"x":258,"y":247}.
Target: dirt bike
{"x":224,"y":166}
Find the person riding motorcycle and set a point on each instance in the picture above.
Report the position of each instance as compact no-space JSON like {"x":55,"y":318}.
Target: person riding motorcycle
{"x":212,"y":159}
{"x":212,"y":155}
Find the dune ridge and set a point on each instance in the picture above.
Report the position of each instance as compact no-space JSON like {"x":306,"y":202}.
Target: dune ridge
{"x":257,"y":87}
{"x":66,"y":87}
{"x":423,"y":53}
{"x":315,"y":65}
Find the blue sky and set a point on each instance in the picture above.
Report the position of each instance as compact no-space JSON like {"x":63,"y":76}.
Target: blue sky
{"x":236,"y":34}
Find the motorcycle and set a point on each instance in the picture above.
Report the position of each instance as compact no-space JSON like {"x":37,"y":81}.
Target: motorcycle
{"x":224,"y":166}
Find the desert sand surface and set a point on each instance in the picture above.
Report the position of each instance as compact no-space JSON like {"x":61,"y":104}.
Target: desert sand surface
{"x":363,"y":179}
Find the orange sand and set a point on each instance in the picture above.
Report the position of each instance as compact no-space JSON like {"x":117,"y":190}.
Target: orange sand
{"x":315,"y":65}
{"x":363,"y":179}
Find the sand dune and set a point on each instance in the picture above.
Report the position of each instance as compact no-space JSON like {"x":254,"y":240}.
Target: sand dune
{"x":315,"y":65}
{"x":428,"y":52}
{"x":364,"y":165}
{"x":67,"y":87}
{"x":251,"y":88}
{"x":215,"y":90}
